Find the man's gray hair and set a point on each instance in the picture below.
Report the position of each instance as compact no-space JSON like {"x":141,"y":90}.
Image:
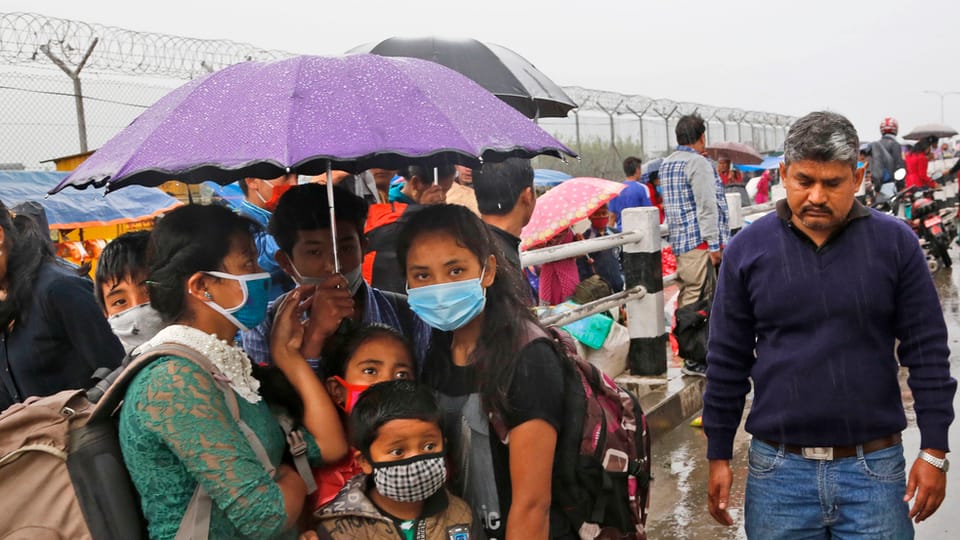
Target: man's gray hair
{"x":822,"y":136}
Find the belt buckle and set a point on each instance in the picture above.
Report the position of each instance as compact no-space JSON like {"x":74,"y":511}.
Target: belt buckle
{"x":820,"y":453}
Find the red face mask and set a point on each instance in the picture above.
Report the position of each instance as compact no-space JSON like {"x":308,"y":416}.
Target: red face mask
{"x":278,"y":192}
{"x":353,"y":392}
{"x":599,"y":223}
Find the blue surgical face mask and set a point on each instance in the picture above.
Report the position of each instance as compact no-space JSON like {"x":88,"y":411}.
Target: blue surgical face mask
{"x":252,"y":309}
{"x":448,"y":306}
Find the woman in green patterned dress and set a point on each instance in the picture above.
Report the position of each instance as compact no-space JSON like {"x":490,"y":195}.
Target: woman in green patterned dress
{"x":176,"y":430}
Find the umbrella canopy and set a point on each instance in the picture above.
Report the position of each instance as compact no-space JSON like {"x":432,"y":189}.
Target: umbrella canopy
{"x":303,"y":114}
{"x":82,"y":209}
{"x":503,"y":72}
{"x":572,"y":201}
{"x":549,"y":177}
{"x":649,"y":168}
{"x":930,"y":130}
{"x":734,"y":151}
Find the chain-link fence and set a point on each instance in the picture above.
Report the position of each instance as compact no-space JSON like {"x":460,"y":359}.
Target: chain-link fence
{"x":46,"y":63}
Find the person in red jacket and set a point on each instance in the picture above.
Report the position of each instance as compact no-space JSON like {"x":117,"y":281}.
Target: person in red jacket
{"x":916,"y":161}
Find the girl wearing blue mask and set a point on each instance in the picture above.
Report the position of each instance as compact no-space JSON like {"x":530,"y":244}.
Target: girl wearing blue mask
{"x":176,"y":430}
{"x":481,"y":364}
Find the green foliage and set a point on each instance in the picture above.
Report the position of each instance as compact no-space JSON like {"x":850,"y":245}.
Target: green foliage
{"x":598,"y":158}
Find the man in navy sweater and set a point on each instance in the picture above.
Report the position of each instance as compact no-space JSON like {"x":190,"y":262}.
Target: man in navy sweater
{"x":810,"y":303}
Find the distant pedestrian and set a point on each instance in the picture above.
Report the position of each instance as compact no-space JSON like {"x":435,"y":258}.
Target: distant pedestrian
{"x":260,"y":198}
{"x":54,"y":335}
{"x":886,"y":158}
{"x":636,"y":194}
{"x":696,"y":211}
{"x":506,"y":199}
{"x":819,"y":304}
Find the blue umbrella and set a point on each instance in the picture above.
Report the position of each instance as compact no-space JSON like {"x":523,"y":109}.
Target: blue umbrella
{"x":549,"y":177}
{"x":87,"y":208}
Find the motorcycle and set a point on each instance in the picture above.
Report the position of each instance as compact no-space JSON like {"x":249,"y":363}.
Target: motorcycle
{"x":934,"y":224}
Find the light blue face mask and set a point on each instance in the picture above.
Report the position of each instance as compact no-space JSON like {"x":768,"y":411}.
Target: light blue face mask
{"x":252,"y":309}
{"x":448,"y":306}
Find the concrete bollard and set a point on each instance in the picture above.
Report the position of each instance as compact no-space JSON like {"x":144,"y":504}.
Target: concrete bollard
{"x":735,"y":212}
{"x":642,"y":265}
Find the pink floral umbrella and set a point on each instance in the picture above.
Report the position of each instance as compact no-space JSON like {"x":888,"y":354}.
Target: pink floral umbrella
{"x":572,"y":201}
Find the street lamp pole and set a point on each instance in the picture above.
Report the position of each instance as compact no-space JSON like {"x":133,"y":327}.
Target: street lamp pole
{"x":942,"y":95}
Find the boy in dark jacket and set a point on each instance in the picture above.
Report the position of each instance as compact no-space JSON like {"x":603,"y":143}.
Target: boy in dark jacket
{"x":395,"y":427}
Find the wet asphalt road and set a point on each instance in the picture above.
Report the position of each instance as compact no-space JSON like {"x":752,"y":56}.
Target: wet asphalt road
{"x":678,"y":508}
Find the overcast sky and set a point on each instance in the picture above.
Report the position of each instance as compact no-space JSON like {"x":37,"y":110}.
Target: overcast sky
{"x":865,"y":59}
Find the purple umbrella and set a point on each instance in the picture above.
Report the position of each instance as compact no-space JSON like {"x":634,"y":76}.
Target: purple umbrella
{"x":308,"y":113}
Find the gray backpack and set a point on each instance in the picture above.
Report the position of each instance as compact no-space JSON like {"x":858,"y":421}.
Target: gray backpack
{"x":62,"y":472}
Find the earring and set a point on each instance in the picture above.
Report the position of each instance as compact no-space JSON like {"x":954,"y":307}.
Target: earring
{"x":207,"y":295}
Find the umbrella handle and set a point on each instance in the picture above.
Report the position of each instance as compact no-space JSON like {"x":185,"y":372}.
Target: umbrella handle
{"x":333,"y":219}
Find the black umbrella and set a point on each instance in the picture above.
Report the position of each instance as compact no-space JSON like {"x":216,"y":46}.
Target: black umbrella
{"x":503,"y":72}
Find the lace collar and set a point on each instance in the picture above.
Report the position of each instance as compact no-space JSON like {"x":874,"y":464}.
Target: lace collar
{"x":233,"y":363}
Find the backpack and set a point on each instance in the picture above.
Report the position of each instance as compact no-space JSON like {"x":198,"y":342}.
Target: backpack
{"x":692,"y":330}
{"x":62,"y":471}
{"x":602,"y":462}
{"x":380,"y":266}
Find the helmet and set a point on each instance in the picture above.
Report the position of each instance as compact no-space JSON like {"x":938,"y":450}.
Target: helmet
{"x":889,"y":125}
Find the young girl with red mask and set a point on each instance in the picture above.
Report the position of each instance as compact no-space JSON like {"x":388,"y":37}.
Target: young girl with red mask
{"x":371,"y":354}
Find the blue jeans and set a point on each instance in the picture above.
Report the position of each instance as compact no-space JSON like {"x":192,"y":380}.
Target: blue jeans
{"x":792,"y":497}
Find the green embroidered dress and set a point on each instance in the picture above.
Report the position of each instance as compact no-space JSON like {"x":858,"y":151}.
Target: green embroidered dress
{"x":176,"y":430}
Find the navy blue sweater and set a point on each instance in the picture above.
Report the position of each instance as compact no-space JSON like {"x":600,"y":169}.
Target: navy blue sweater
{"x":823,"y":323}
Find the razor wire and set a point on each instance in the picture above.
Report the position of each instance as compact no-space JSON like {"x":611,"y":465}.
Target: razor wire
{"x":24,"y":36}
{"x":126,"y":71}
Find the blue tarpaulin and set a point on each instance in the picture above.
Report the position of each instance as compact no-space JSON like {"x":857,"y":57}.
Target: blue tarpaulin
{"x":549,"y":177}
{"x":74,"y":208}
{"x":769,"y":162}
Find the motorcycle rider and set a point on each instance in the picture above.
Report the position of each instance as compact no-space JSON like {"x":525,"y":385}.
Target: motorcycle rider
{"x":886,"y":157}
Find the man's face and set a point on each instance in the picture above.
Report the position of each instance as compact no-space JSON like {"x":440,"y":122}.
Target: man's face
{"x":723,"y":166}
{"x":264,"y":193}
{"x":313,"y":251}
{"x":127,"y":293}
{"x":382,"y":177}
{"x":820,"y":193}
{"x":466,"y":175}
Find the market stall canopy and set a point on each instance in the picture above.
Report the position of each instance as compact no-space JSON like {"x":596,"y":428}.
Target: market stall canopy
{"x":500,"y":70}
{"x":79,"y":209}
{"x":769,"y":162}
{"x":549,"y":177}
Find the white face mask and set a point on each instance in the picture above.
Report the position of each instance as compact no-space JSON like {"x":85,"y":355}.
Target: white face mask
{"x":354,"y":278}
{"x":135,"y":326}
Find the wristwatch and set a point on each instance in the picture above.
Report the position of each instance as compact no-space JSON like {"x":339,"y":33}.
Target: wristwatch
{"x":942,"y":464}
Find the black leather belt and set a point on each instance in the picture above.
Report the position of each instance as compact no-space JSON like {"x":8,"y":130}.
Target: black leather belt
{"x":837,"y":452}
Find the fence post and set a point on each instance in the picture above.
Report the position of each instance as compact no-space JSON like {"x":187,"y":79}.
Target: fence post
{"x":642,"y":266}
{"x":734,"y":212}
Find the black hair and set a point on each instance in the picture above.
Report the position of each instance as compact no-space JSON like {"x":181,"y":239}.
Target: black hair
{"x":27,"y":250}
{"x":386,"y":401}
{"x":506,"y":314}
{"x":923,"y":145}
{"x":188,"y":240}
{"x":690,"y":128}
{"x":124,"y":257}
{"x":305,"y":208}
{"x":631,"y":165}
{"x":243,"y":186}
{"x":346,"y":345}
{"x":425,"y":174}
{"x":498,"y":185}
